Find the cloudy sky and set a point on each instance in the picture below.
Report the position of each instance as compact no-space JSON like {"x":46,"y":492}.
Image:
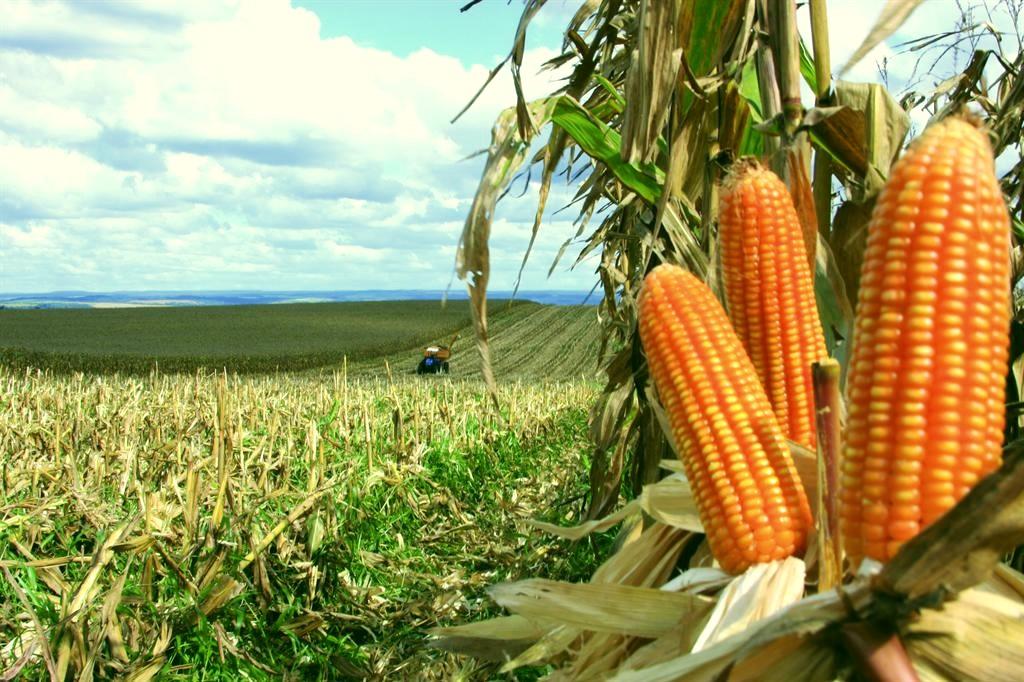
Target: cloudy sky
{"x":276,"y":145}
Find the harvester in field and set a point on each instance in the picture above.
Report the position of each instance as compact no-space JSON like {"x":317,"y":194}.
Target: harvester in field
{"x":435,"y":358}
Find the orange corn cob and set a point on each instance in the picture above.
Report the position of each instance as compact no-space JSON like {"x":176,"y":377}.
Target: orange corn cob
{"x":747,"y":489}
{"x":929,"y":357}
{"x":769,"y":290}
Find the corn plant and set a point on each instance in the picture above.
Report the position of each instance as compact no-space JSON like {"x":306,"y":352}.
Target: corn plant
{"x":665,"y":102}
{"x":662,"y":97}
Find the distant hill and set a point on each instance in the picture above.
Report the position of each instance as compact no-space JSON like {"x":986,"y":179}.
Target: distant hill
{"x":528,"y":340}
{"x":130,"y":299}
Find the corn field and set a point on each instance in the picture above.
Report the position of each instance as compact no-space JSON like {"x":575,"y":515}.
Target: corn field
{"x":270,"y":527}
{"x":318,"y":526}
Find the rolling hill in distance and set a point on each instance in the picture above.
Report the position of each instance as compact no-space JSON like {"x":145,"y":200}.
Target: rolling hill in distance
{"x":127,"y":299}
{"x":133,"y":334}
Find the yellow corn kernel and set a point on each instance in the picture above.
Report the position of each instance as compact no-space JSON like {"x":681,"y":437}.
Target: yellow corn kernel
{"x":748,"y":493}
{"x":935,"y":379}
{"x":769,"y":290}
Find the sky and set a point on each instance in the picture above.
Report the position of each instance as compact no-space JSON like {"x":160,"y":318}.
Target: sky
{"x":276,"y":145}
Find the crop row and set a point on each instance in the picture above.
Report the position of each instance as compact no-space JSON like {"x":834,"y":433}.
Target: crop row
{"x":245,"y":339}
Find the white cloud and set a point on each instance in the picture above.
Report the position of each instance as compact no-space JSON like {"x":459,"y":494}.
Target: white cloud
{"x":56,"y":123}
{"x":30,"y":238}
{"x":225,"y":144}
{"x":216,"y":145}
{"x":356,"y":252}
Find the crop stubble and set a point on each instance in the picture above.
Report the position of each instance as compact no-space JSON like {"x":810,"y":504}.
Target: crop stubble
{"x":274,"y":524}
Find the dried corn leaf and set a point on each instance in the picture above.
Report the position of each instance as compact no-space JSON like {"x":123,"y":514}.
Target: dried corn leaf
{"x":31,"y":636}
{"x":651,"y":79}
{"x":673,"y":465}
{"x":506,"y":153}
{"x":848,"y":240}
{"x":497,"y":639}
{"x":103,"y":556}
{"x":622,"y":609}
{"x":646,"y":562}
{"x":889,"y":20}
{"x":794,"y":657}
{"x":552,"y":155}
{"x":806,"y":462}
{"x":294,"y":515}
{"x":600,"y":655}
{"x":516,"y":55}
{"x":680,"y":638}
{"x":698,"y":579}
{"x":863,"y":134}
{"x":833,"y":305}
{"x":111,"y":624}
{"x":226,"y":589}
{"x":761,"y":591}
{"x":975,"y":637}
{"x":671,"y":502}
{"x":550,"y":645}
{"x":595,"y":526}
{"x":797,"y":160}
{"x":787,"y":657}
{"x":22,"y":649}
{"x":1011,"y":579}
{"x":148,"y":668}
{"x":147,"y":671}
{"x":675,"y":643}
{"x":783,"y":646}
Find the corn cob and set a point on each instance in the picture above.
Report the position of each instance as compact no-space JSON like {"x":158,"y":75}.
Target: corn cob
{"x":926,"y":377}
{"x":746,"y":486}
{"x":769,"y":290}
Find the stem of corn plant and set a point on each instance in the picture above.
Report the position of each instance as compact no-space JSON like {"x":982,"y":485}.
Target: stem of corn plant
{"x":827,"y":409}
{"x":784,"y":40}
{"x":878,"y":653}
{"x":823,"y":75}
{"x":768,"y":87}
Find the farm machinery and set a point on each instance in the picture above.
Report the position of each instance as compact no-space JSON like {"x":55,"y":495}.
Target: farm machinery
{"x":435,"y":358}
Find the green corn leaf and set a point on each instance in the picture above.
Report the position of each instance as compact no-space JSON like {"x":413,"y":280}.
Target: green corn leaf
{"x":602,"y":143}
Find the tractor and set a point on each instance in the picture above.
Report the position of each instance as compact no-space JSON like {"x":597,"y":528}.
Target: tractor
{"x":435,"y":358}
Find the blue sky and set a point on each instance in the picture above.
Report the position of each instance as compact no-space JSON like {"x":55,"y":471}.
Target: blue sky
{"x":260,"y":144}
{"x":481,"y":35}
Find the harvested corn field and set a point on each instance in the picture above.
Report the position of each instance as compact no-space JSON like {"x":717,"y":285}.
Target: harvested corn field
{"x":528,"y":341}
{"x":303,"y":527}
{"x":808,"y":440}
